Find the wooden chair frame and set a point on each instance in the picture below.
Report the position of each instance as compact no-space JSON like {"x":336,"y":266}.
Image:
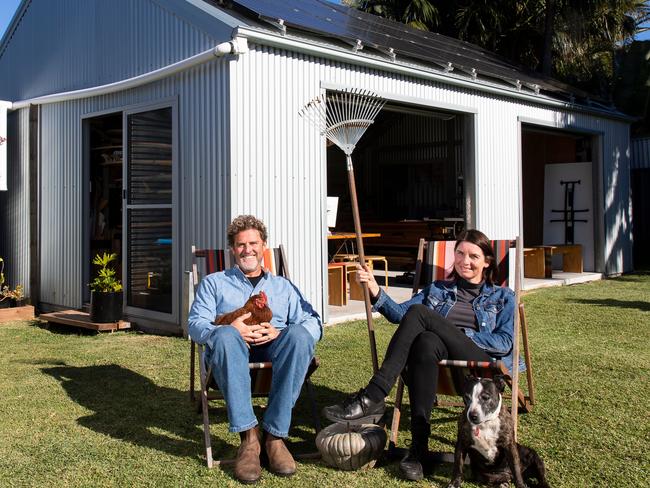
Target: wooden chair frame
{"x":261,"y":373}
{"x":450,"y":368}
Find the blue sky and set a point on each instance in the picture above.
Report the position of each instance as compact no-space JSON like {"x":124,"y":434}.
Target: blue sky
{"x":8,"y":7}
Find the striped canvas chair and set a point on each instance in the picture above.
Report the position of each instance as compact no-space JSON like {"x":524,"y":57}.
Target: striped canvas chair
{"x":204,"y":262}
{"x":439,"y":261}
{"x":435,"y":259}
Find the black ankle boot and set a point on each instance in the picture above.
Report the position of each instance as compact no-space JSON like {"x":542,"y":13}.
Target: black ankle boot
{"x":356,"y":409}
{"x":411,"y":466}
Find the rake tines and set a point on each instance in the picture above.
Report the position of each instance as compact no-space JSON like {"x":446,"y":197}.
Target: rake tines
{"x":343,"y":117}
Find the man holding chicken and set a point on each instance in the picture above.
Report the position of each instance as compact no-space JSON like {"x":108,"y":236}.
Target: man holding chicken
{"x":287,"y":340}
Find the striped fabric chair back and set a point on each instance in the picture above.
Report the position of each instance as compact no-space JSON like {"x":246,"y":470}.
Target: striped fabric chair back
{"x":438,"y":257}
{"x":452,"y":374}
{"x":207,"y":261}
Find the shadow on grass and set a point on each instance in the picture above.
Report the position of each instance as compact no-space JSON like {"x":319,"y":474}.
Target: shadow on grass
{"x":131,"y":407}
{"x":609,"y":302}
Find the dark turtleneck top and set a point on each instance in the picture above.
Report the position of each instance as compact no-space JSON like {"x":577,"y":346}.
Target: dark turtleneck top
{"x":462,"y":313}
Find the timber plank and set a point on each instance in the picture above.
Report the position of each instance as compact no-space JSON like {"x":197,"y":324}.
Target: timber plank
{"x":77,"y":318}
{"x":25,"y":312}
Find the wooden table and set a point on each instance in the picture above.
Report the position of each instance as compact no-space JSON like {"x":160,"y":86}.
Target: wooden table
{"x":350,"y":235}
{"x":346,"y":237}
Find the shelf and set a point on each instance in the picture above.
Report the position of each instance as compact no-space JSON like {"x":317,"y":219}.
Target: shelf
{"x":103,"y":148}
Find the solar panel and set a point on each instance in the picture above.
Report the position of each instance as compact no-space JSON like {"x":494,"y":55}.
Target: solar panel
{"x":350,"y":25}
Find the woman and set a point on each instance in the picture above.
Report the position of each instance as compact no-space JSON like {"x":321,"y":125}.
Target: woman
{"x":466,"y":318}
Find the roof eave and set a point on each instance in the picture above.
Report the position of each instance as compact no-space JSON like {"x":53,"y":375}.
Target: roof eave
{"x":321,"y":48}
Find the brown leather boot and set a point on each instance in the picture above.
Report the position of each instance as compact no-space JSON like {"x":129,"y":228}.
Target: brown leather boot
{"x":247,"y":464}
{"x":280,"y":459}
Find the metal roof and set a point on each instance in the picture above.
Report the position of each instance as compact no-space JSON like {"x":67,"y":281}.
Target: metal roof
{"x":399,"y":42}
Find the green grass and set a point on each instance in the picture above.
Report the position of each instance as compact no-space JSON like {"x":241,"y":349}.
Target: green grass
{"x":79,"y":409}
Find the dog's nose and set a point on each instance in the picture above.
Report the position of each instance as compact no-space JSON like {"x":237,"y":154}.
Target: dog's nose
{"x":473,"y":416}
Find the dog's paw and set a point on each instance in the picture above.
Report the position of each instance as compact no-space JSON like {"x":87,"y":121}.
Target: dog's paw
{"x":454,"y":484}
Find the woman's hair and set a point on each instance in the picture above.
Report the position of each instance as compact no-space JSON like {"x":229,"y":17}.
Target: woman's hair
{"x":476,"y":237}
{"x":242,"y":223}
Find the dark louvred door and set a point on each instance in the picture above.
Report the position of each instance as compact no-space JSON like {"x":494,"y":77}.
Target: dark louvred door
{"x":149,"y":184}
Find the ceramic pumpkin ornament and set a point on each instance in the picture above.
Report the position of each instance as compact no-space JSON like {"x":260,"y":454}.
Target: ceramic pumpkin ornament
{"x":351,"y":447}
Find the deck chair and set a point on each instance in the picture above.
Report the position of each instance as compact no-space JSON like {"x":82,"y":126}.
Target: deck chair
{"x":435,"y":259}
{"x":206,"y":261}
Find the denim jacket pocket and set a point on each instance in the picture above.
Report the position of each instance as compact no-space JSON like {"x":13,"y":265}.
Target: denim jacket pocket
{"x":433,"y":301}
{"x":494,"y":307}
{"x":490,"y":311}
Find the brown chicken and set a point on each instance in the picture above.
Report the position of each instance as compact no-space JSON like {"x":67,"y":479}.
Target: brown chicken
{"x":257,"y":305}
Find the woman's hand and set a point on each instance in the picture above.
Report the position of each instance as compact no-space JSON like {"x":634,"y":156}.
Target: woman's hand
{"x":365,"y":276}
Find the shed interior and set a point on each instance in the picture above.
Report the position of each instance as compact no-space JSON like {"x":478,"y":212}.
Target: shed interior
{"x":541,"y":147}
{"x":410,"y":168}
{"x":105,"y":191}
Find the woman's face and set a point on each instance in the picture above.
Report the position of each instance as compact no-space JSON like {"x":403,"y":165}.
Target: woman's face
{"x":469,"y":262}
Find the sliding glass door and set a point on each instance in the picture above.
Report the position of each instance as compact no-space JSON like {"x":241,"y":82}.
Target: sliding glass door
{"x":150,"y":245}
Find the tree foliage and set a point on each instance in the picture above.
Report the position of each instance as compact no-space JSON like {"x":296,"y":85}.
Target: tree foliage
{"x":572,"y":40}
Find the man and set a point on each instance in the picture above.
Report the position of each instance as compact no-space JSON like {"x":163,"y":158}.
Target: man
{"x":288,"y":341}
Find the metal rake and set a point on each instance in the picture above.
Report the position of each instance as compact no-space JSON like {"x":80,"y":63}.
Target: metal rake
{"x":343,"y":118}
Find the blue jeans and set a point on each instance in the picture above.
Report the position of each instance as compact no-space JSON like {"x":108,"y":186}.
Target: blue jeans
{"x":290,"y":353}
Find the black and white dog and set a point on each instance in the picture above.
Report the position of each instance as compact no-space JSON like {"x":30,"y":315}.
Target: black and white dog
{"x":486,"y":433}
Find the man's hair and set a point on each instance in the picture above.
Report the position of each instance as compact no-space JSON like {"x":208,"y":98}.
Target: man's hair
{"x":242,"y":223}
{"x":473,"y":236}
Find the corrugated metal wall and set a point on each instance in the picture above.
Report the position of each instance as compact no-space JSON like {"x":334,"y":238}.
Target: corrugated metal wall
{"x":640,"y":153}
{"x":640,"y":163}
{"x":284,"y":158}
{"x":203,"y":165}
{"x":94,"y":42}
{"x":14,"y":220}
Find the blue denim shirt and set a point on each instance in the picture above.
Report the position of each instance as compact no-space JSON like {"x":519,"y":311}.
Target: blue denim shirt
{"x":494,"y":308}
{"x":225,"y":291}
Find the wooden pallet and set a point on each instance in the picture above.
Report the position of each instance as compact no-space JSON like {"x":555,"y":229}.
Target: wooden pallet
{"x":76,"y":318}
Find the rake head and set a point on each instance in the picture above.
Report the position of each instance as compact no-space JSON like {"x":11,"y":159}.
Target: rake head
{"x":343,"y":117}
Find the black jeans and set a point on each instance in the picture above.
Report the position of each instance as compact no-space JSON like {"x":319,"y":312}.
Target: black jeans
{"x":423,"y":338}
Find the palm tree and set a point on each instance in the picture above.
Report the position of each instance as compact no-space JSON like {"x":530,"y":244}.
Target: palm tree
{"x":573,"y":40}
{"x":420,"y":14}
{"x":586,"y":36}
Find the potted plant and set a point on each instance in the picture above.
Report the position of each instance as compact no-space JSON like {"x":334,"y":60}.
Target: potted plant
{"x":105,"y":291}
{"x":9,"y":297}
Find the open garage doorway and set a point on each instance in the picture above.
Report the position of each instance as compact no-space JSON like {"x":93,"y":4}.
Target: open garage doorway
{"x":560,"y":171}
{"x":414,"y":179}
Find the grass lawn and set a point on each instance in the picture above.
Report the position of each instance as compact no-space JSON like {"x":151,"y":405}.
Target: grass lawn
{"x":78,"y":409}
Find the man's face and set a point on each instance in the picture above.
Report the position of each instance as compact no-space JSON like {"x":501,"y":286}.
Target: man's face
{"x":249,"y":250}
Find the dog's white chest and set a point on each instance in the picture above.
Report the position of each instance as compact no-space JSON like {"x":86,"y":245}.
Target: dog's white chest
{"x":484,"y":438}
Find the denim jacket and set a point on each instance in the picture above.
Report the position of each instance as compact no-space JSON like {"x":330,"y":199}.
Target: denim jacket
{"x":494,"y":308}
{"x":225,"y":291}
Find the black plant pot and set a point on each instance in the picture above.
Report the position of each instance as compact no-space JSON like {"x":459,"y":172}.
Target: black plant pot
{"x":105,"y":306}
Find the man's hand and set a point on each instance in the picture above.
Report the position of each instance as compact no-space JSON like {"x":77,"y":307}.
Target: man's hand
{"x":267,"y":332}
{"x":255,"y":334}
{"x":250,"y":333}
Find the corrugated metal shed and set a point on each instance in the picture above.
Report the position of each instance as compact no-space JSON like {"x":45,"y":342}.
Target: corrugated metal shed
{"x":242,"y":147}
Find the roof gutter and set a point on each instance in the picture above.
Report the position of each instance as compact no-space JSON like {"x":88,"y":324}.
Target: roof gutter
{"x":237,"y":45}
{"x":303,"y":46}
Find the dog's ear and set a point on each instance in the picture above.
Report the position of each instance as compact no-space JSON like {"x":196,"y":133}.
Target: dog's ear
{"x":500,"y":382}
{"x":469,"y":377}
